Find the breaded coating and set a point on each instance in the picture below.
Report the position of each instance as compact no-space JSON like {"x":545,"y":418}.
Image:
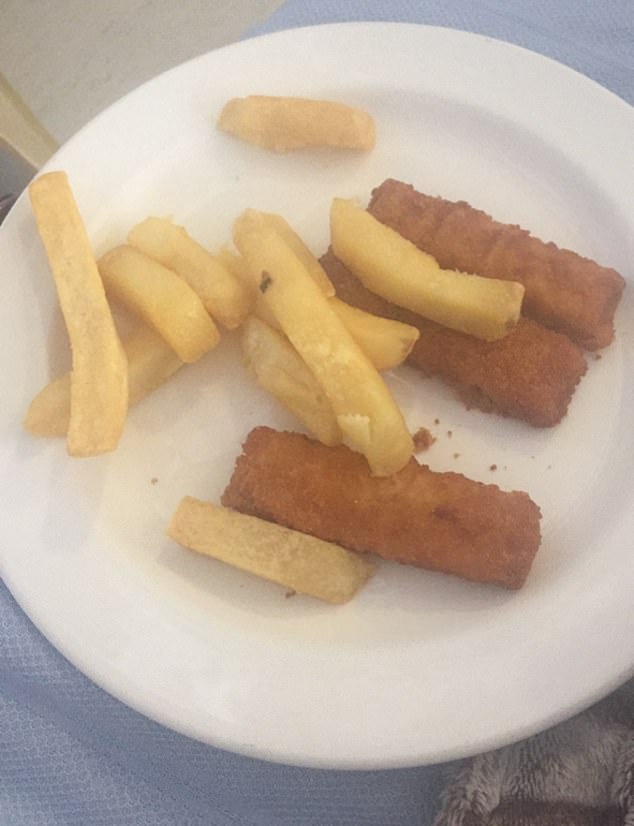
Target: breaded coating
{"x":564,"y":291}
{"x":530,"y":374}
{"x":439,"y":521}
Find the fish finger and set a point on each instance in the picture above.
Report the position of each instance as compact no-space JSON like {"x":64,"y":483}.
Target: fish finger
{"x":530,"y":374}
{"x":564,"y":291}
{"x":439,"y":521}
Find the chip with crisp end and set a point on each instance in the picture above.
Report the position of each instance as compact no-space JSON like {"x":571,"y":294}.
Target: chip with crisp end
{"x":99,"y":377}
{"x":386,"y":342}
{"x":369,"y":418}
{"x":295,"y":560}
{"x":282,"y":124}
{"x":391,"y":266}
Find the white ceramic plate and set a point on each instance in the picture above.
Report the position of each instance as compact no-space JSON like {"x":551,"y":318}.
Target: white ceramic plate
{"x":419,"y":667}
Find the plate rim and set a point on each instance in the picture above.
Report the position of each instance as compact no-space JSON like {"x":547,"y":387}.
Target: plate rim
{"x":62,"y":647}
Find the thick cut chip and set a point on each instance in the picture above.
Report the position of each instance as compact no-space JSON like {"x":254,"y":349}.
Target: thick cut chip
{"x":281,"y":371}
{"x":238,"y":266}
{"x":285,"y":123}
{"x":162,"y":298}
{"x":387,"y":343}
{"x":99,"y":378}
{"x":368,"y":416}
{"x":253,"y":219}
{"x":392,"y":267}
{"x":224,"y":296}
{"x":294,"y":560}
{"x":151,"y":362}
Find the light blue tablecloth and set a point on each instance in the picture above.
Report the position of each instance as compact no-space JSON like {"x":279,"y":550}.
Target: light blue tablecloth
{"x":69,"y":753}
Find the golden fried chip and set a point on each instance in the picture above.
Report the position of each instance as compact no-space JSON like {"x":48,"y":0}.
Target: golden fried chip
{"x":252,"y":219}
{"x":224,"y":296}
{"x":366,"y":412}
{"x":285,"y":123}
{"x":392,"y":267}
{"x":295,"y":560}
{"x":387,"y":343}
{"x":162,"y":298}
{"x":99,"y":378}
{"x":280,"y":370}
